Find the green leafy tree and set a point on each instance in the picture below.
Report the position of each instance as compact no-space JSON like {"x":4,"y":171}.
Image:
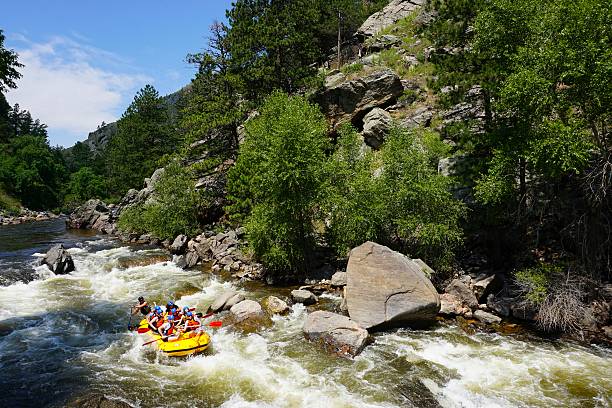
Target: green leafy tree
{"x":278,"y":177}
{"x":143,"y":137}
{"x":174,"y":209}
{"x":9,"y":64}
{"x":85,"y":184}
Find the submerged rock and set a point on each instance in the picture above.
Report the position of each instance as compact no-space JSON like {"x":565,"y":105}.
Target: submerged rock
{"x":96,"y":401}
{"x":303,"y":296}
{"x":336,"y":333}
{"x":58,"y":260}
{"x":386,"y":288}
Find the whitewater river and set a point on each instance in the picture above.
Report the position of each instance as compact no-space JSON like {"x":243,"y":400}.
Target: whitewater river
{"x":65,"y":336}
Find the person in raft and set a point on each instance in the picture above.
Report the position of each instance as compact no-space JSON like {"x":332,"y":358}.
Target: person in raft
{"x":168,"y":331}
{"x":191,"y":323}
{"x":142,"y":305}
{"x":156,"y":318}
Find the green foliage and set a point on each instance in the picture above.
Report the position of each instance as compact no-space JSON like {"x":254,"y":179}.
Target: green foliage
{"x":404,"y":204}
{"x":173,"y":211}
{"x":352,"y":68}
{"x":277,"y":180}
{"x":85,"y":184}
{"x":536,"y":281}
{"x":8,"y":67}
{"x":144,"y":136}
{"x":8,"y":203}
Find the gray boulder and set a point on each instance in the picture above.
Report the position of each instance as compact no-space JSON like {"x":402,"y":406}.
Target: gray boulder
{"x":339,"y":279}
{"x":386,"y":288}
{"x":248,"y":316}
{"x":179,"y":244}
{"x":486,"y":318}
{"x":191,"y":259}
{"x":86,"y":215}
{"x":336,"y":333}
{"x":390,"y":14}
{"x":451,"y":306}
{"x":220,"y":301}
{"x":58,"y":260}
{"x":483,"y":286}
{"x":462,"y":292}
{"x":274,"y":305}
{"x":237,"y":298}
{"x":500,"y":306}
{"x":303,"y":296}
{"x":376,"y":125}
{"x":343,"y":101}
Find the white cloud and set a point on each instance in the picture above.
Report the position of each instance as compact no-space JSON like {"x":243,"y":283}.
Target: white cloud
{"x":73,"y":87}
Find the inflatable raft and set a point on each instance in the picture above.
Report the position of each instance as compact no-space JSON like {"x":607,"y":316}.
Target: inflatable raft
{"x":186,"y":345}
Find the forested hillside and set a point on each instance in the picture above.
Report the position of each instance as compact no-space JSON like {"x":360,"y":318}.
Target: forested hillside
{"x":474,"y":135}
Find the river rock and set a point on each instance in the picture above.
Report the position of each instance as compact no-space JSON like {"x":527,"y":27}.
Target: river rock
{"x":376,"y":125}
{"x":180,"y":261}
{"x":221,"y":300}
{"x":386,"y":288}
{"x":501,"y":306}
{"x":451,"y":306}
{"x":237,"y":298}
{"x":338,"y":279}
{"x":274,"y":305}
{"x":191,"y":259}
{"x":248,"y":316}
{"x":58,"y":260}
{"x":303,"y":296}
{"x":486,"y":318}
{"x":462,"y":292}
{"x":179,"y":244}
{"x":336,"y":333}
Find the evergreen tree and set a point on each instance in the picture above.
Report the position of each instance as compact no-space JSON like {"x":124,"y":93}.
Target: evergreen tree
{"x":143,"y":137}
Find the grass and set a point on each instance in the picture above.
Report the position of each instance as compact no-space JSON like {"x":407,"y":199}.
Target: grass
{"x":8,"y":203}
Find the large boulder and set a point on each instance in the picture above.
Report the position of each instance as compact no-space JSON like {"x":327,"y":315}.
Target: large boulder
{"x":462,"y":292}
{"x":386,"y":288}
{"x":336,"y":333}
{"x":58,"y":260}
{"x":348,"y":101}
{"x":303,"y":296}
{"x":86,"y":215}
{"x":376,"y":125}
{"x":338,"y":279}
{"x":392,"y":13}
{"x":248,"y":316}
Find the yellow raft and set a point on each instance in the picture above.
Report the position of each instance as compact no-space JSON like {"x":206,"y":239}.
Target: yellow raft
{"x":186,"y":345}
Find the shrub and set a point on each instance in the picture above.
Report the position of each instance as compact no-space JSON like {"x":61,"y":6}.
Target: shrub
{"x":173,"y":211}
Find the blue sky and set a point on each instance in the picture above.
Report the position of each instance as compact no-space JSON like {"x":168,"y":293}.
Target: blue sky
{"x":85,"y":60}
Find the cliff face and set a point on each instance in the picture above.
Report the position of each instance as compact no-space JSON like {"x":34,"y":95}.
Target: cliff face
{"x":99,"y":138}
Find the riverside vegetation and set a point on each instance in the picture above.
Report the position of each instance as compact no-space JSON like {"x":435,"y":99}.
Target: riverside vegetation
{"x":522,"y":180}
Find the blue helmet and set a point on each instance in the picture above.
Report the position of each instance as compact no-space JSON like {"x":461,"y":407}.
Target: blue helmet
{"x":189,"y":314}
{"x":170,"y":317}
{"x":158,"y":309}
{"x":185,"y":309}
{"x":170,"y":303}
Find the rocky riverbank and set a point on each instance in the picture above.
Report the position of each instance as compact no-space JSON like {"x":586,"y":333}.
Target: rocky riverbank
{"x":379,"y":288}
{"x":24,"y":216}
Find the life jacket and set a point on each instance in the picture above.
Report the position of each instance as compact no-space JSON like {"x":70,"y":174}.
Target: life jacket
{"x":145,"y":310}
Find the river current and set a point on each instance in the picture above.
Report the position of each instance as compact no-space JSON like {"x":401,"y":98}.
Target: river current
{"x":65,"y":336}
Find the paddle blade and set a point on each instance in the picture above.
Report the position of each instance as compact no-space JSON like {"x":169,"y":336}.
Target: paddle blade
{"x":217,"y":323}
{"x":143,"y":329}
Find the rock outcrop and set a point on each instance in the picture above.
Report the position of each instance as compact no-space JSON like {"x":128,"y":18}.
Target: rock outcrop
{"x":88,"y":214}
{"x":392,"y":13}
{"x":376,"y":125}
{"x":463,"y":293}
{"x":386,"y":288}
{"x":58,"y":260}
{"x":349,"y":101}
{"x":336,"y":333}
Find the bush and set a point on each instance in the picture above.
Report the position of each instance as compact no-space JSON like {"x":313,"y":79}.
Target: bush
{"x":173,"y":211}
{"x":277,"y":180}
{"x":394,"y":196}
{"x":535,"y":282}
